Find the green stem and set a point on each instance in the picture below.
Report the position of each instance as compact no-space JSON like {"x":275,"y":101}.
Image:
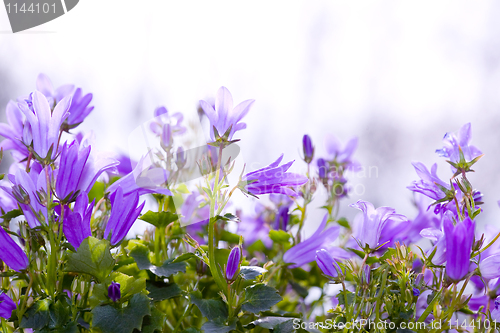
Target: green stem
{"x":179,"y":321}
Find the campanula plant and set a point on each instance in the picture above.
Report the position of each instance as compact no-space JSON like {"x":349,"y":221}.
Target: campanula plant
{"x":208,"y":263}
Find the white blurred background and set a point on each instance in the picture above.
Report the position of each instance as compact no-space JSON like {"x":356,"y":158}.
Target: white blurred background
{"x":397,"y":74}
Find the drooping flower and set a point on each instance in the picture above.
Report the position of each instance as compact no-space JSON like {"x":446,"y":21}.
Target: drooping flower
{"x":373,"y":222}
{"x":453,"y":142}
{"x":459,"y":239}
{"x":429,"y":184}
{"x":327,"y":264}
{"x":11,"y":253}
{"x":272,"y":179}
{"x":7,"y":305}
{"x":76,"y":224}
{"x":233,"y":263}
{"x":224,"y":116}
{"x":79,"y":108}
{"x":305,"y":251}
{"x":79,"y":170}
{"x":114,"y":292}
{"x":308,"y":149}
{"x":124,"y":212}
{"x":44,"y":124}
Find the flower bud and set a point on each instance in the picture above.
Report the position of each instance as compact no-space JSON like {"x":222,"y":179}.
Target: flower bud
{"x":166,"y":136}
{"x":180,"y":160}
{"x":322,"y":168}
{"x":327,"y":264}
{"x":416,"y":292}
{"x":282,"y":219}
{"x":308,"y":149}
{"x":233,"y":263}
{"x":114,"y":291}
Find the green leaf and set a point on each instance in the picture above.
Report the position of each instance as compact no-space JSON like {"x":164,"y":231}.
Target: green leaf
{"x":218,"y":326}
{"x":12,"y":214}
{"x":37,"y":316}
{"x":59,"y":314}
{"x":184,"y":257}
{"x":93,"y":257}
{"x":269,"y":322}
{"x":229,"y":237}
{"x":279,"y":236}
{"x":299,"y":289}
{"x":212,"y":309}
{"x":108,"y":319}
{"x":154,"y":322}
{"x":140,"y":253}
{"x":191,"y":330}
{"x":251,"y":272}
{"x":129,"y":285}
{"x":350,"y":298}
{"x":260,"y":298}
{"x":160,"y":291}
{"x":343,"y":222}
{"x":159,"y":219}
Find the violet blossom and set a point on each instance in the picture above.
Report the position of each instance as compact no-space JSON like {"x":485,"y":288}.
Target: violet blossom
{"x":373,"y":222}
{"x":453,"y":142}
{"x":341,"y":155}
{"x":327,"y":264}
{"x":308,"y":149}
{"x":459,"y":240}
{"x":223,"y":116}
{"x":124,"y":212}
{"x":11,"y":254}
{"x":76,"y":224}
{"x":13,"y":132}
{"x":7,"y":305}
{"x":272,"y":179}
{"x":233,"y":263}
{"x":429,"y":184}
{"x":114,"y":292}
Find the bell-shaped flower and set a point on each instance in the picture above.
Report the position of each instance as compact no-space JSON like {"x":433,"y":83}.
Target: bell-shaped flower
{"x":373,"y":222}
{"x":436,"y":236}
{"x":327,"y":264}
{"x":7,"y":305}
{"x":459,"y":240}
{"x":282,"y":218}
{"x":453,"y":143}
{"x":305,"y":251}
{"x":44,"y":124}
{"x":76,"y":224}
{"x":124,"y":212}
{"x":429,"y":184}
{"x":233,"y":263}
{"x":13,"y":132}
{"x":79,"y":108}
{"x":11,"y":254}
{"x":253,"y":227}
{"x":224,"y":117}
{"x":341,"y":155}
{"x":145,"y":178}
{"x":490,"y":267}
{"x":114,"y":292}
{"x":27,"y":188}
{"x":272,"y":179}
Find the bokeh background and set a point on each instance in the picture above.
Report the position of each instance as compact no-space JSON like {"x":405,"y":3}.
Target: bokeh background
{"x":396,"y":74}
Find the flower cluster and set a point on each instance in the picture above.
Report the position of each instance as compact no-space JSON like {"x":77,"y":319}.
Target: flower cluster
{"x":207,"y":263}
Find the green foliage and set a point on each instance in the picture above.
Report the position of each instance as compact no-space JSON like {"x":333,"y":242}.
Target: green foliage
{"x":93,"y":257}
{"x":159,"y":219}
{"x":260,"y":298}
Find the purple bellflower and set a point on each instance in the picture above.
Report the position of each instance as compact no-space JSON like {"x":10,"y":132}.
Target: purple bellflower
{"x":374,"y":220}
{"x":490,"y":267}
{"x":13,"y":132}
{"x":308,"y":149}
{"x":24,"y":190}
{"x":233,"y":264}
{"x":323,"y":168}
{"x":253,"y":227}
{"x":163,"y":118}
{"x":453,"y":142}
{"x":11,"y":253}
{"x":79,"y":170}
{"x":459,"y":239}
{"x":43,"y":125}
{"x":124,"y":213}
{"x":114,"y":292}
{"x":436,"y":236}
{"x":79,"y":108}
{"x":224,"y":117}
{"x":327,"y":264}
{"x":76,"y":224}
{"x":7,"y":305}
{"x":429,"y":184}
{"x":342,"y":156}
{"x":305,"y":252}
{"x":145,"y":178}
{"x":272,"y":179}
{"x":282,"y":218}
